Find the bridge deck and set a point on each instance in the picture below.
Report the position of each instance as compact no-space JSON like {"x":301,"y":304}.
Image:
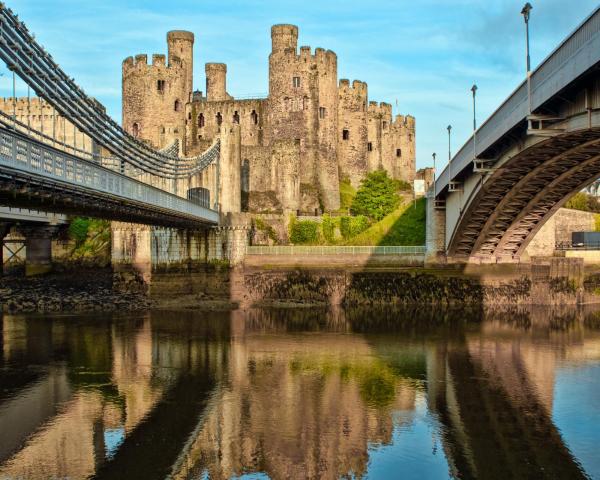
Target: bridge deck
{"x":33,"y":174}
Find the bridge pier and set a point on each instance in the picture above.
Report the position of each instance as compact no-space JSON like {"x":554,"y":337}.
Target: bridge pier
{"x":140,"y":252}
{"x":435,"y":236}
{"x":38,"y":245}
{"x":4,"y":229}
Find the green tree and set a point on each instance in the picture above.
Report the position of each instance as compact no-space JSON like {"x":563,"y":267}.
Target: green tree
{"x":377,"y":196}
{"x":579,"y":201}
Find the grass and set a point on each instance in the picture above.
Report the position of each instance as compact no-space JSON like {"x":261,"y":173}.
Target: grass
{"x":347,"y":194}
{"x":404,"y":226}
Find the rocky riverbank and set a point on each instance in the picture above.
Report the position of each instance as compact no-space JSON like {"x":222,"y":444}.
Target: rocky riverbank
{"x":77,"y":291}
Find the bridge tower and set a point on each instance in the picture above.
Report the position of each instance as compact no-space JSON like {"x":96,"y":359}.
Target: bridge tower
{"x":155,"y":95}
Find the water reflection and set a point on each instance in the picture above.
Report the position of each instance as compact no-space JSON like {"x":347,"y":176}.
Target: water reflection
{"x":301,"y":394}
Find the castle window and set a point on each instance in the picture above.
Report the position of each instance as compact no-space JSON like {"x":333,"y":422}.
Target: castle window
{"x":398,"y":152}
{"x":177,"y":106}
{"x":305,"y":103}
{"x":321,"y":112}
{"x":135,"y":130}
{"x":296,"y":82}
{"x":254,"y":117}
{"x":160,"y":86}
{"x":162,"y":130}
{"x":345,"y":134}
{"x":384,"y":124}
{"x":369,"y":147}
{"x":189,"y":115}
{"x":201,"y":120}
{"x":219,"y":118}
{"x":236,"y":117}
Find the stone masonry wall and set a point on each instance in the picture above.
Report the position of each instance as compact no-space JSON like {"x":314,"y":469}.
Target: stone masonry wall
{"x":352,"y":131}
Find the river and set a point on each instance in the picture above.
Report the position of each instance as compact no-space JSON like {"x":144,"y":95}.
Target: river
{"x":369,"y":393}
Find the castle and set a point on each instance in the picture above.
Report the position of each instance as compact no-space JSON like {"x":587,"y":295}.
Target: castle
{"x":297,"y":145}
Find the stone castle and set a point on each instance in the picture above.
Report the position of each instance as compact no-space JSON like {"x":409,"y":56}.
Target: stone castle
{"x":297,"y":145}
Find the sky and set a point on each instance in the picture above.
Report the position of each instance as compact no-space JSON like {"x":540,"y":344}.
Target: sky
{"x":422,"y":56}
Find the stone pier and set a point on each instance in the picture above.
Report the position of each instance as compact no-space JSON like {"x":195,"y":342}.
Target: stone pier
{"x":38,"y":248}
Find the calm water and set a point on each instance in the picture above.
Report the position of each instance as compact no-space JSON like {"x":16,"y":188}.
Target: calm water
{"x":303,"y":394}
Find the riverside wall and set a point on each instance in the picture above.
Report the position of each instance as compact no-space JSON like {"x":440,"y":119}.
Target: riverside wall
{"x":544,"y":281}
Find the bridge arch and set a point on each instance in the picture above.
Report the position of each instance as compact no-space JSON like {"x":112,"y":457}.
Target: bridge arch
{"x":513,"y":201}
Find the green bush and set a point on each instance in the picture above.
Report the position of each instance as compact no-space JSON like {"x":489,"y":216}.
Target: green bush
{"x":303,"y":232}
{"x":78,"y":229}
{"x":377,"y":196}
{"x":347,"y":194}
{"x":352,"y":226}
{"x":263,"y":226}
{"x":328,"y":227}
{"x":403,"y":186}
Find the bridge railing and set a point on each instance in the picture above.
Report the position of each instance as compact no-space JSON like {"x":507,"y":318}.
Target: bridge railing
{"x":19,"y":153}
{"x":335,"y":250}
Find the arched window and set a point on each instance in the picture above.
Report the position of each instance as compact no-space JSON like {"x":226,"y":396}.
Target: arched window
{"x":219,"y":118}
{"x":177,"y":105}
{"x":254,"y":117}
{"x":236,"y":117}
{"x":163,"y":130}
{"x":201,"y":120}
{"x":135,"y":130}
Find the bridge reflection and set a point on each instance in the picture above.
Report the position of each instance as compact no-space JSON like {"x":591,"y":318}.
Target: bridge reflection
{"x":294,"y":394}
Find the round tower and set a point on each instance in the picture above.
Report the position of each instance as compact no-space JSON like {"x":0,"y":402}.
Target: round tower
{"x":216,"y":81}
{"x":180,"y":46}
{"x":284,"y":37}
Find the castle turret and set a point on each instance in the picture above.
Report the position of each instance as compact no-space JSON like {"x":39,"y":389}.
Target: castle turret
{"x":216,"y":82}
{"x":180,"y":45}
{"x":154,"y":95}
{"x":284,"y":37}
{"x":352,"y":131}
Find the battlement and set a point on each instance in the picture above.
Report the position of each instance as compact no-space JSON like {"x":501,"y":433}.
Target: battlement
{"x":382,"y":108}
{"x":216,"y":67}
{"x":406,"y":121}
{"x":357,"y":86}
{"x":284,"y":37}
{"x":159,"y":60}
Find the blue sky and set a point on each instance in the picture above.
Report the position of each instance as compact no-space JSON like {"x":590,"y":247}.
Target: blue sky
{"x":425,"y":54}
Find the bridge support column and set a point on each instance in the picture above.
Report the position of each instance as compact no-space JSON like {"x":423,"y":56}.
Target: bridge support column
{"x":4,"y":229}
{"x":38,"y":248}
{"x":435,"y":237}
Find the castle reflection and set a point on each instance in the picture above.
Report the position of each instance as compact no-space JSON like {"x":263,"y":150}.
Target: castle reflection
{"x":293,"y":394}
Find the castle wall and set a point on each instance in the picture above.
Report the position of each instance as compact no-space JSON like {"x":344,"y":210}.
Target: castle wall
{"x":41,"y":116}
{"x":249,"y":115}
{"x":352,"y":118}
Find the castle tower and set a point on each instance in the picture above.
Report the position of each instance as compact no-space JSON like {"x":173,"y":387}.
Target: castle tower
{"x":216,"y":82}
{"x":352,"y":131}
{"x":303,"y":101}
{"x":154,"y":95}
{"x":180,"y":46}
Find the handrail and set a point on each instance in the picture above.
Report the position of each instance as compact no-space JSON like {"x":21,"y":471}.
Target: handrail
{"x":334,"y":250}
{"x":20,"y":153}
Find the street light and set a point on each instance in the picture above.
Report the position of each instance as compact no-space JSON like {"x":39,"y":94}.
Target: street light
{"x":449,"y":157}
{"x":526,"y":12}
{"x":474,"y":90}
{"x":433,"y":155}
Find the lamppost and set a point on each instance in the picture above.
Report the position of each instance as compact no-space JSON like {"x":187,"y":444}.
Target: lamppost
{"x":526,"y":12}
{"x":449,"y":157}
{"x":433,"y":155}
{"x":474,"y":90}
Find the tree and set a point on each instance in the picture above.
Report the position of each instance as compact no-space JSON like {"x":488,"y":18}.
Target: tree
{"x":377,"y":196}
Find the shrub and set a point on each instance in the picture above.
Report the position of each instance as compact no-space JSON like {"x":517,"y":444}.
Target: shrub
{"x":263,"y":226}
{"x":352,"y":226}
{"x":347,"y":194}
{"x":328,"y":227}
{"x":579,"y":201}
{"x":377,"y":196}
{"x":78,"y":229}
{"x":303,"y":232}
